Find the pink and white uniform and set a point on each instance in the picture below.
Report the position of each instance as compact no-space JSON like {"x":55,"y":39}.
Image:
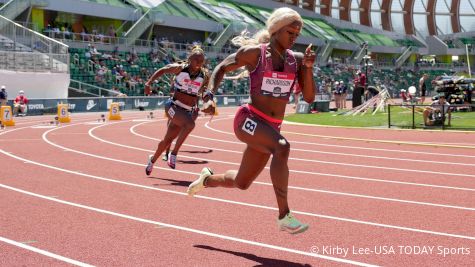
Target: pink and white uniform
{"x":265,"y":81}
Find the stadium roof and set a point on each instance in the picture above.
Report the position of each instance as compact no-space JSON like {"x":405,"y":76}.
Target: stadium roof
{"x":147,"y":3}
{"x":418,"y":17}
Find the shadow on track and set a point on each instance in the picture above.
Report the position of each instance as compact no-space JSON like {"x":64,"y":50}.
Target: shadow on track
{"x":172,"y":182}
{"x":197,"y":152}
{"x":261,"y":260}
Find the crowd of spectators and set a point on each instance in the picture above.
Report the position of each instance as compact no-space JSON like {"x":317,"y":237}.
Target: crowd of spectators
{"x":59,"y":30}
{"x":128,"y":70}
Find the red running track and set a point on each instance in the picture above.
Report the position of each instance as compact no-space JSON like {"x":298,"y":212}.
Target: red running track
{"x":77,"y":194}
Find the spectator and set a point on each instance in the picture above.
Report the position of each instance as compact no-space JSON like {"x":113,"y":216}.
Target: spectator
{"x":343,"y":93}
{"x":19,"y":104}
{"x":358,"y":91}
{"x":423,"y":87}
{"x":337,"y":94}
{"x":3,"y":96}
{"x":436,"y":113}
{"x":405,"y":96}
{"x":93,"y":50}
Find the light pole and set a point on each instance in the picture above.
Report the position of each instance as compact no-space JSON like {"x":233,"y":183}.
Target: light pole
{"x":468,"y":60}
{"x":366,"y":59}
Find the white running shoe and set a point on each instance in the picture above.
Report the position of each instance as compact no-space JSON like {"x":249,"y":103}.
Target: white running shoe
{"x":149,"y":168}
{"x":171,"y":161}
{"x":291,"y":225}
{"x":198,"y":184}
{"x":165,"y":157}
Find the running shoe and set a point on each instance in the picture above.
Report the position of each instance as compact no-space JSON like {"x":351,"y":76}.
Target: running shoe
{"x":198,"y":184}
{"x":291,"y":225}
{"x":165,"y":157}
{"x":149,"y":168}
{"x":171,"y":161}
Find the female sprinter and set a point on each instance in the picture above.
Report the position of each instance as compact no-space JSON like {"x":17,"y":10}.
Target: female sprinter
{"x":273,"y":69}
{"x":190,"y":81}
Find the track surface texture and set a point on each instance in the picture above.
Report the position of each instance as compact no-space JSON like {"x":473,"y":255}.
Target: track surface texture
{"x":77,"y":194}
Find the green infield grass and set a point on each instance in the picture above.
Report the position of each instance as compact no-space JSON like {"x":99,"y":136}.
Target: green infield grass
{"x":400,"y":118}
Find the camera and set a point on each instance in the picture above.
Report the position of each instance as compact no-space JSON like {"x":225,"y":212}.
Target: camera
{"x":457,"y":90}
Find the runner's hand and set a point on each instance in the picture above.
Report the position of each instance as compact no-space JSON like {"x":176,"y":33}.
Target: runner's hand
{"x":309,"y":57}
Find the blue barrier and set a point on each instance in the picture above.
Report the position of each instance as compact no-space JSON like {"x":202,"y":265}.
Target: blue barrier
{"x":102,"y":104}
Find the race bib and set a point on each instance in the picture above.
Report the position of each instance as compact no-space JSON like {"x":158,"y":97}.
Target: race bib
{"x":191,"y":87}
{"x":249,"y":126}
{"x":185,"y":84}
{"x":171,"y":112}
{"x":277,"y":84}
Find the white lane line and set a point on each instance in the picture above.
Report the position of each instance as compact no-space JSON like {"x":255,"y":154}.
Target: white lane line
{"x":333,"y":175}
{"x":43,"y":252}
{"x":370,"y":166}
{"x":352,"y":147}
{"x":331,"y":162}
{"x":347,"y":154}
{"x":187,"y":229}
{"x":227,"y":201}
{"x":427,"y":144}
{"x":270,"y":184}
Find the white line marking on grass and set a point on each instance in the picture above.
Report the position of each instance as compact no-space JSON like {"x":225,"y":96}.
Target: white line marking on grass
{"x":40,"y":251}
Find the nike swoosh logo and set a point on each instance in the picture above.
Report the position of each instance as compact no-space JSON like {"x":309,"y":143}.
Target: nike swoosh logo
{"x":89,"y":107}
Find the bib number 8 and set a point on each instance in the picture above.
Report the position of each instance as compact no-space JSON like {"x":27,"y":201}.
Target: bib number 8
{"x":249,"y":126}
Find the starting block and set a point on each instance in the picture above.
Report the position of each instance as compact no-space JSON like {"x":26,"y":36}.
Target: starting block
{"x":114,"y":111}
{"x":63,"y":114}
{"x":6,"y":116}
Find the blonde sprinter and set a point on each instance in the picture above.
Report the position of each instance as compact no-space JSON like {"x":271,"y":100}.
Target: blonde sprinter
{"x":274,"y":69}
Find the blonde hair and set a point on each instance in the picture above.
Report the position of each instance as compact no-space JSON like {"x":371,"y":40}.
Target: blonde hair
{"x":196,"y":50}
{"x":280,"y":18}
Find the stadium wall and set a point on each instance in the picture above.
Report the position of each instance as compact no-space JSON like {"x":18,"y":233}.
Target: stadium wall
{"x":36,"y":84}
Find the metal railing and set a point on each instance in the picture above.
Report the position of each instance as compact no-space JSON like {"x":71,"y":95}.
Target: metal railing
{"x":110,"y":42}
{"x":403,"y":57}
{"x":13,"y":8}
{"x":414,"y":116}
{"x":38,"y":42}
{"x":423,"y":66}
{"x":139,"y":27}
{"x":92,"y":89}
{"x":34,"y":62}
{"x":42,"y":53}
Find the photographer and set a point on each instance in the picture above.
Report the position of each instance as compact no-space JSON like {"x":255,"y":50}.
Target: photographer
{"x":435,"y":114}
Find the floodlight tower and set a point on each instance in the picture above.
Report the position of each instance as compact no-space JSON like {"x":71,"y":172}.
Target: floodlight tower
{"x":366,"y":59}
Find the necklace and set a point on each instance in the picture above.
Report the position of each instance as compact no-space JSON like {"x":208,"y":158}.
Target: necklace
{"x":278,"y":53}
